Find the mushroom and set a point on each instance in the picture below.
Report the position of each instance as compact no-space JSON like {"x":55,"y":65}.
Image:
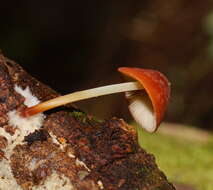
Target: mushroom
{"x":148,"y":106}
{"x":148,"y":95}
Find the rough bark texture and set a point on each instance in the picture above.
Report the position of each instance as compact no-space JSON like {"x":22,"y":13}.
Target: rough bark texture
{"x":91,"y":154}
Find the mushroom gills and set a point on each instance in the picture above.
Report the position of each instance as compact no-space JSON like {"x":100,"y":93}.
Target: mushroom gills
{"x":141,"y":109}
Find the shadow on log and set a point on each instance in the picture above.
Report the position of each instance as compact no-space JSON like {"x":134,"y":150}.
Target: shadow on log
{"x":71,"y":150}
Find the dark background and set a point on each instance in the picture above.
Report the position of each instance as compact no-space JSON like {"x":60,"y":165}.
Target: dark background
{"x":74,"y":45}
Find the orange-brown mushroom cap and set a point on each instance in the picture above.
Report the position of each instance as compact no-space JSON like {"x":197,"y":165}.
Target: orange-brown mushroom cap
{"x":156,"y":86}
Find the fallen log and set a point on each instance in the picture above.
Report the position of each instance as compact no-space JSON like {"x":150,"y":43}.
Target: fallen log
{"x":68,"y":150}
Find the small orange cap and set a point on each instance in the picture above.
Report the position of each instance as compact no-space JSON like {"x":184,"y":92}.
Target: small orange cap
{"x":156,"y":85}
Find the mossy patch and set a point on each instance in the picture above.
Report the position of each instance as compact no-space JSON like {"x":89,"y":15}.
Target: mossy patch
{"x":80,"y":116}
{"x":84,"y":118}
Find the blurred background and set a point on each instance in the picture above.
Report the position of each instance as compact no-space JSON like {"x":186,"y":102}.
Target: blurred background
{"x":75,"y":45}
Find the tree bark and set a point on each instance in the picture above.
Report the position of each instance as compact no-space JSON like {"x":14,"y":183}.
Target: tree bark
{"x":72,"y":150}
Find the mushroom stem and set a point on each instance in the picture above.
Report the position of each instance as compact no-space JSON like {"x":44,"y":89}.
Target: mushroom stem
{"x":81,"y":95}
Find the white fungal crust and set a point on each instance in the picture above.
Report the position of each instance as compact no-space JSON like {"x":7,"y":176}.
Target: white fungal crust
{"x":23,"y":124}
{"x":23,"y":127}
{"x":7,"y":181}
{"x":30,"y":100}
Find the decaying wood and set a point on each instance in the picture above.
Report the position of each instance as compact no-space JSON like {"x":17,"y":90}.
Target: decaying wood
{"x":92,"y":154}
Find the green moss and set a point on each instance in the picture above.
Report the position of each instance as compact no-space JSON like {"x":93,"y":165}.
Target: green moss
{"x":183,"y":161}
{"x":95,"y":119}
{"x":83,"y":117}
{"x":80,"y":116}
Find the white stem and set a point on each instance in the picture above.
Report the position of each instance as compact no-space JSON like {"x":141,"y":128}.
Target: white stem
{"x":85,"y":94}
{"x":94,"y":92}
